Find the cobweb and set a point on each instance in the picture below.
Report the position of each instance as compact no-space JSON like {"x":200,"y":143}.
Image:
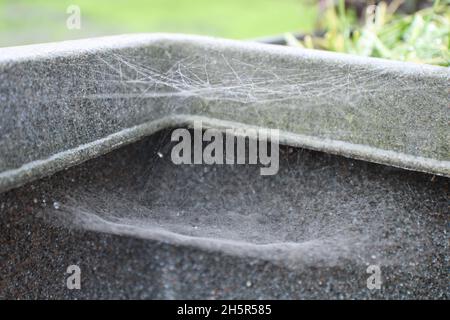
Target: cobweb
{"x":106,"y":92}
{"x":223,"y":78}
{"x":312,"y":209}
{"x":319,"y":210}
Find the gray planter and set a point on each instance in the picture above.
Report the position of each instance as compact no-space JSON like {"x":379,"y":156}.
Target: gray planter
{"x":139,"y":226}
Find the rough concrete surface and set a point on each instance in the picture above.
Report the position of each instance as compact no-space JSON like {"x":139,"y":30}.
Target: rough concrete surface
{"x":141,"y":227}
{"x":67,"y":102}
{"x":86,"y":176}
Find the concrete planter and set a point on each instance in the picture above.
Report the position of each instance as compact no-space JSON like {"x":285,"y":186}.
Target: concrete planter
{"x":139,"y":226}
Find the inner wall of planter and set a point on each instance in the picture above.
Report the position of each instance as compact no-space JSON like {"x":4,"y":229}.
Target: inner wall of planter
{"x":317,"y":204}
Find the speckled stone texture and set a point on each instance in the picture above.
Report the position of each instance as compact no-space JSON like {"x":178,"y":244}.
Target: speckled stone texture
{"x":86,"y":176}
{"x":141,"y":227}
{"x":64,"y":103}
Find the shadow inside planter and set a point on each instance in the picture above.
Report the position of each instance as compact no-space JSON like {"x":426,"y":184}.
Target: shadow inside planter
{"x":319,"y":208}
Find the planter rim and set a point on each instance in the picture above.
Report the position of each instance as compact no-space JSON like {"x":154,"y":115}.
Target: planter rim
{"x":54,"y":58}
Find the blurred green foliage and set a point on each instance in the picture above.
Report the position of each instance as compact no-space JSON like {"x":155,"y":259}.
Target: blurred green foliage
{"x":423,"y":36}
{"x":31,"y":21}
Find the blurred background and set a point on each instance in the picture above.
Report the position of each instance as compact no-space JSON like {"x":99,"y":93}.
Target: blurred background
{"x":410,"y":30}
{"x":32,"y":21}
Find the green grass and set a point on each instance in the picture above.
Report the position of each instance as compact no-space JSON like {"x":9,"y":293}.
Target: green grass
{"x":31,"y":21}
